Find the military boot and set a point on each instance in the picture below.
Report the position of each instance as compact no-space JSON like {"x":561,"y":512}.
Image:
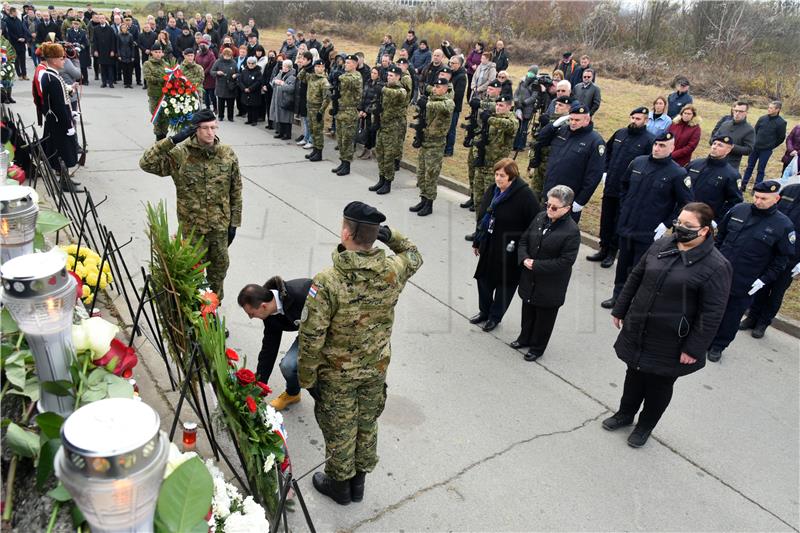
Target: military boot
{"x":416,"y":207}
{"x":357,"y":486}
{"x":396,"y":165}
{"x":466,"y":205}
{"x":426,"y":210}
{"x":345,"y":170}
{"x":381,"y":181}
{"x":316,"y":155}
{"x":338,"y":491}
{"x":67,"y":185}
{"x":337,"y":169}
{"x":386,"y":189}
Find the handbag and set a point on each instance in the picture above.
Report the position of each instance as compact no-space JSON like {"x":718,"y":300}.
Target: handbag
{"x":363,"y":132}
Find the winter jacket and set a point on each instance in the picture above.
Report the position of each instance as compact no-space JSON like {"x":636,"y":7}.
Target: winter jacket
{"x":716,"y":183}
{"x":15,"y":30}
{"x":473,"y":60}
{"x":410,"y":47}
{"x":553,"y":246}
{"x":672,"y":303}
{"x":301,"y":91}
{"x":659,"y":125}
{"x":500,"y":59}
{"x":567,"y":68}
{"x":676,"y":101}
{"x":625,"y":145}
{"x":207,"y":61}
{"x":420,"y":60}
{"x":484,"y":75}
{"x":104,"y":42}
{"x":525,"y":97}
{"x":250,"y":78}
{"x":770,"y":132}
{"x":370,"y":95}
{"x":226,"y":85}
{"x":388,"y":49}
{"x":687,"y":137}
{"x":792,"y":145}
{"x":589,"y":95}
{"x":281,"y":96}
{"x":789,"y":205}
{"x":183,"y":42}
{"x":742,"y":135}
{"x":459,"y":82}
{"x":126,"y":46}
{"x":145,"y":40}
{"x":576,"y":159}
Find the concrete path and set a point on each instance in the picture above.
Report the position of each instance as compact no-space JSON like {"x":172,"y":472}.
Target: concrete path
{"x":473,"y":437}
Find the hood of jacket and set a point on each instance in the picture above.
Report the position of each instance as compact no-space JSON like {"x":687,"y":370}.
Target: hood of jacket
{"x":358,"y":265}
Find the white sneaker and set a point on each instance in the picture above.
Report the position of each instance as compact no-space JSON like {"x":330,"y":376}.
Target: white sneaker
{"x":308,"y":146}
{"x":301,"y":142}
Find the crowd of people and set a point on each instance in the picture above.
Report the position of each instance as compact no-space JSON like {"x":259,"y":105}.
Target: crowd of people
{"x":678,"y":299}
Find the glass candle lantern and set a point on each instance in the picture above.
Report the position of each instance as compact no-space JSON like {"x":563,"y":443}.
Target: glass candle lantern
{"x":189,"y":436}
{"x":18,"y":212}
{"x":5,"y":158}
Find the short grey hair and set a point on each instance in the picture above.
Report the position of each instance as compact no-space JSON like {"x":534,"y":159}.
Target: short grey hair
{"x":777,"y":104}
{"x":564,"y":84}
{"x":286,"y":63}
{"x":562,"y":193}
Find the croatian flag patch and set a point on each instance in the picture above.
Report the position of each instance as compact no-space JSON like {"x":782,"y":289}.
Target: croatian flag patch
{"x":312,"y":291}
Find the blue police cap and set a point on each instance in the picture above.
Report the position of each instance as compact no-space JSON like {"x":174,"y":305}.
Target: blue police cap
{"x":767,"y":186}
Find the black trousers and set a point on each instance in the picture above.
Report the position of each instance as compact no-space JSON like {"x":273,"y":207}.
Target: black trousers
{"x":630,"y":252}
{"x":768,"y":300}
{"x":252,"y":113}
{"x":285,"y":129}
{"x":20,"y":62}
{"x":537,"y":326}
{"x":222,"y":104}
{"x":107,"y":73}
{"x":127,"y":73}
{"x":494,"y":298}
{"x":137,"y":67}
{"x":609,"y":216}
{"x":729,"y":327}
{"x":655,"y":391}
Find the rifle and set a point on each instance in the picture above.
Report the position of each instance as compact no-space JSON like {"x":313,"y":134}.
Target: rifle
{"x":480,"y":156}
{"x":376,"y":115}
{"x":335,"y":94}
{"x":82,"y":159}
{"x":472,"y":125}
{"x":421,"y":122}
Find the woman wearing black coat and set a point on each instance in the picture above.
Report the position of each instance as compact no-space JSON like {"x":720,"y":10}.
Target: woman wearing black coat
{"x":266,"y":78}
{"x":126,"y":47}
{"x":249,"y":81}
{"x":547,"y":250}
{"x":505,"y":212}
{"x":368,"y":111}
{"x":669,"y":312}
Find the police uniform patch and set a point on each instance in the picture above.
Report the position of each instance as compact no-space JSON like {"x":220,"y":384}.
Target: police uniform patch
{"x":688,"y":182}
{"x":792,"y":237}
{"x":601,"y":149}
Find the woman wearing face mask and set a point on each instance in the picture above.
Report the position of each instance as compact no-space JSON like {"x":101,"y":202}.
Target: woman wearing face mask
{"x":668,"y":312}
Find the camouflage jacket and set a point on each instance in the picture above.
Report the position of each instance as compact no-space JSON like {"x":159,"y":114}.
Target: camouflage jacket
{"x":318,"y":91}
{"x":502,"y":130}
{"x":154,"y":73}
{"x":408,"y":85}
{"x":208,"y":185}
{"x":347,"y":320}
{"x":394,"y":103}
{"x":195,"y":74}
{"x":351,"y":84}
{"x":439,"y":112}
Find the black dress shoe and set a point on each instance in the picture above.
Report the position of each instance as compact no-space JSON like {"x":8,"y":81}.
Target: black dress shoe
{"x":490,"y":325}
{"x":597,"y":256}
{"x":608,"y":261}
{"x":517,"y":345}
{"x":532,"y":356}
{"x":747,"y":323}
{"x":714,"y":355}
{"x":338,"y":491}
{"x":276,"y":136}
{"x":758,"y":331}
{"x":477,"y":319}
{"x":638,"y":437}
{"x":617,"y":421}
{"x":608,"y":304}
{"x":466,"y":205}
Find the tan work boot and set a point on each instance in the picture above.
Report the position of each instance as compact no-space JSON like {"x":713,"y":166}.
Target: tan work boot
{"x":365,"y":154}
{"x":284,"y":400}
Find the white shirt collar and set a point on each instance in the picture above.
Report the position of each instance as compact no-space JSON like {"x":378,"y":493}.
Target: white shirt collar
{"x":278,"y":302}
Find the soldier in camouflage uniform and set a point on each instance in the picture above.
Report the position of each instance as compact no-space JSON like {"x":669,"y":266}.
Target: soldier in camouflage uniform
{"x":317,"y":100}
{"x":538,"y":155}
{"x":207,"y":185}
{"x":345,"y":350}
{"x":478,"y":105}
{"x":389,"y":145}
{"x":193,"y":72}
{"x":154,"y":78}
{"x":438,"y":114}
{"x":351,"y":85}
{"x":405,"y":80}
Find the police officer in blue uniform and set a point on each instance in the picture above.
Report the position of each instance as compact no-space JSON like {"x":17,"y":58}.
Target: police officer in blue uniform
{"x":758,"y":240}
{"x":768,"y":300}
{"x":714,"y":181}
{"x":654,"y":189}
{"x":624,"y":146}
{"x":577,"y":155}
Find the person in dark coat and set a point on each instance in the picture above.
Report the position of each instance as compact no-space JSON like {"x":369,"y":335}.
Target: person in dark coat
{"x":281,"y":110}
{"x":126,"y":48}
{"x":410,"y":44}
{"x":668,"y":313}
{"x":223,"y":69}
{"x":507,"y":209}
{"x":266,"y":87}
{"x":104,"y":48}
{"x":714,"y":181}
{"x":736,"y":127}
{"x":459,"y":81}
{"x":770,"y":133}
{"x":58,"y":139}
{"x":78,"y":37}
{"x":249,"y":81}
{"x":18,"y":35}
{"x":368,"y":111}
{"x":499,"y":56}
{"x":547,"y":250}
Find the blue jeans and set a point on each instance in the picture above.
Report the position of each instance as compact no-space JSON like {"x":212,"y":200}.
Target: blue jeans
{"x":288,"y":366}
{"x":307,"y":138}
{"x":756,"y":156}
{"x":451,"y":134}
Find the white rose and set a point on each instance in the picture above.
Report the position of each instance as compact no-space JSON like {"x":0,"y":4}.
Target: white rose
{"x":176,"y":459}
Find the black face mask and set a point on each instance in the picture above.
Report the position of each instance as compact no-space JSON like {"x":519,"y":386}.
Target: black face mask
{"x":684,"y":234}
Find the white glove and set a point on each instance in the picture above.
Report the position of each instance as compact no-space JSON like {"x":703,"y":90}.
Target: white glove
{"x":75,"y":114}
{"x":70,"y":132}
{"x":560,"y":121}
{"x":603,"y":179}
{"x":518,"y":113}
{"x":659,"y":231}
{"x":713,"y":224}
{"x":757,"y":286}
{"x":796,"y":270}
{"x":576,"y":207}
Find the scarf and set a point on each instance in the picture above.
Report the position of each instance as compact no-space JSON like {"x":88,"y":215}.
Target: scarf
{"x":486,"y":224}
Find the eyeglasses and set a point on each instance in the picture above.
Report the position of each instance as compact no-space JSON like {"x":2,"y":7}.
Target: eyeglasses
{"x":587,"y":77}
{"x":553,"y":207}
{"x":677,"y":222}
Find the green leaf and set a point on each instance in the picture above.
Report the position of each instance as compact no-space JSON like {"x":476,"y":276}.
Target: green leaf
{"x":7,"y":323}
{"x":15,"y":370}
{"x":31,"y":390}
{"x":50,"y":221}
{"x":50,"y":424}
{"x":95,"y":393}
{"x":96,"y":376}
{"x":60,"y":493}
{"x":45,"y":468}
{"x":38,"y":241}
{"x":185,"y":497}
{"x":59,"y":388}
{"x":77,"y":516}
{"x":23,"y":443}
{"x":118,"y":387}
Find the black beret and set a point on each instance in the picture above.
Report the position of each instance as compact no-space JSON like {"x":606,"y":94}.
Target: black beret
{"x":446,"y":70}
{"x":504,"y":98}
{"x":363,"y":213}
{"x":205,"y":115}
{"x":402,"y":61}
{"x":441,"y":81}
{"x":352,"y":57}
{"x":394,"y":69}
{"x":318,"y":62}
{"x":156,"y":46}
{"x":188,"y":51}
{"x":666,"y":136}
{"x":723,"y":139}
{"x":566,"y":54}
{"x":579,"y":108}
{"x":643,"y":110}
{"x":767,"y":186}
{"x":565,"y":100}
{"x":495,"y":83}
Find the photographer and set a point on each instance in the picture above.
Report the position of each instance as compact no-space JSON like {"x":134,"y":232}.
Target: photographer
{"x":80,"y":40}
{"x":528,"y":100}
{"x":448,"y":50}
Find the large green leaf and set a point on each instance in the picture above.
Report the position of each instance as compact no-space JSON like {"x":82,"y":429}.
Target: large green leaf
{"x":60,"y":493}
{"x":50,"y":221}
{"x":185,"y":497}
{"x":23,"y":443}
{"x":45,"y":467}
{"x":59,"y":388}
{"x":118,"y":387}
{"x":50,"y":424}
{"x":14,"y":367}
{"x":7,"y":323}
{"x":30,"y":390}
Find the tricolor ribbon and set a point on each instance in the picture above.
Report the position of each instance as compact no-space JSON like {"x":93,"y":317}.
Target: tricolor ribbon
{"x":171,"y":73}
{"x":287,"y":463}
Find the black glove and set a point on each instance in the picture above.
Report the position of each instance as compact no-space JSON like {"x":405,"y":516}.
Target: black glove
{"x":534,"y":163}
{"x":485,"y":115}
{"x":319,"y":116}
{"x":474,"y":103}
{"x":184,"y":134}
{"x":384,"y":234}
{"x":231,"y":234}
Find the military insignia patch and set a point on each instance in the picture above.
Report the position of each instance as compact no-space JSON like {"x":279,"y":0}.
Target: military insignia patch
{"x":688,"y":182}
{"x":312,"y":291}
{"x":601,"y":149}
{"x":792,"y":237}
{"x":739,"y":183}
{"x":303,"y":314}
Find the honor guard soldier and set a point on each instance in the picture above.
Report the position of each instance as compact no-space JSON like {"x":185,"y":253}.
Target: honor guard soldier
{"x":389,"y":143}
{"x":714,"y":181}
{"x":759,"y":241}
{"x":154,"y":71}
{"x":317,"y":99}
{"x":653,"y":189}
{"x":350,"y":86}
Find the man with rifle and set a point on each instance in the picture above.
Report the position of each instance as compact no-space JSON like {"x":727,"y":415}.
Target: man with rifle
{"x":393,"y":103}
{"x":538,"y":155}
{"x":349,"y":88}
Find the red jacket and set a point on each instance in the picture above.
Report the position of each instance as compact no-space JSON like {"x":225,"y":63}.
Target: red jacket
{"x":206,"y":61}
{"x":687,"y":137}
{"x":792,"y":144}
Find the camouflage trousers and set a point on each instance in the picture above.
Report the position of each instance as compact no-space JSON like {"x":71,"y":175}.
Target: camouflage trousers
{"x":389,"y":146}
{"x":315,"y":126}
{"x":346,"y":129}
{"x":429,"y":165}
{"x":161,"y":127}
{"x":347,"y":413}
{"x":216,"y":245}
{"x":484,"y":177}
{"x":537,"y":174}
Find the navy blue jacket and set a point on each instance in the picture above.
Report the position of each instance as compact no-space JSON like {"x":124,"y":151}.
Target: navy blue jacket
{"x":654,"y":191}
{"x":577,"y":159}
{"x":15,"y":30}
{"x":790,"y":206}
{"x":715,"y":182}
{"x":757,"y":242}
{"x":676,"y":101}
{"x":622,"y":147}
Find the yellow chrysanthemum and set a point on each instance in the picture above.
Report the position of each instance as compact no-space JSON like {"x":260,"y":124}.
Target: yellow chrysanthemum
{"x":70,"y":249}
{"x":70,"y":262}
{"x":109,"y":277}
{"x":91,"y":278}
{"x":86,"y":291}
{"x":107,"y":268}
{"x":80,"y":270}
{"x":89,"y":299}
{"x":103,"y":282}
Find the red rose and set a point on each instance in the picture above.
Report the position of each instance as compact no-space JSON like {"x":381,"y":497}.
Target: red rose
{"x":164,"y":90}
{"x":264,"y":388}
{"x":173,"y":92}
{"x":251,"y":404}
{"x":181,"y":91}
{"x":231,"y":354}
{"x":166,"y":77}
{"x":245,"y":376}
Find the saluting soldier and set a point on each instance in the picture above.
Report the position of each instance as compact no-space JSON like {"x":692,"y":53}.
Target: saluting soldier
{"x":345,"y":334}
{"x":438,"y":113}
{"x":538,"y":155}
{"x":351,"y":85}
{"x":389,"y":145}
{"x":714,"y":181}
{"x":317,"y":99}
{"x":208,"y":187}
{"x":154,"y":72}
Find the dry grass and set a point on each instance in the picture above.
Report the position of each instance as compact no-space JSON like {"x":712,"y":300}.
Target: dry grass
{"x":619,"y":98}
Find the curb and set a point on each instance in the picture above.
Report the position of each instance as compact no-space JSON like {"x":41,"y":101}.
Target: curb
{"x":781,"y":323}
